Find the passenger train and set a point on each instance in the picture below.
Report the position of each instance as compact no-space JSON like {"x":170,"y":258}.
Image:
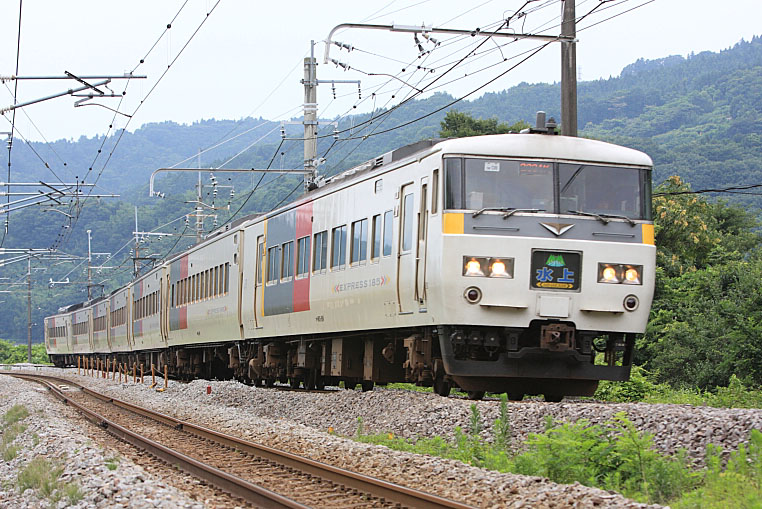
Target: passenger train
{"x":516,"y":263}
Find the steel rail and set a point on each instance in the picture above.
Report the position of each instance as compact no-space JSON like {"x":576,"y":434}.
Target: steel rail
{"x":229,"y":483}
{"x":379,"y":488}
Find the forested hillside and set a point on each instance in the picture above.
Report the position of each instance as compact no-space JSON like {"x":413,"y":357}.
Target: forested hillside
{"x":698,"y":117}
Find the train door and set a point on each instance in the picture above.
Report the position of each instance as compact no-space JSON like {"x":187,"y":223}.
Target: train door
{"x":406,"y":253}
{"x":165,"y":290}
{"x":258,"y":283}
{"x":420,"y":255}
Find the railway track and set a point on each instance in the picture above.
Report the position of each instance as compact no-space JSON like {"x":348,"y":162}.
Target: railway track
{"x":261,"y":475}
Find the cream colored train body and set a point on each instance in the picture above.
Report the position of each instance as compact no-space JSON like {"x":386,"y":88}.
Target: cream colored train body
{"x":519,"y":263}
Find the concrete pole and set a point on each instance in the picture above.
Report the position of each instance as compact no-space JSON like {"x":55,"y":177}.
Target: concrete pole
{"x":29,"y":309}
{"x":89,"y":267}
{"x":310,"y":118}
{"x":569,"y":72}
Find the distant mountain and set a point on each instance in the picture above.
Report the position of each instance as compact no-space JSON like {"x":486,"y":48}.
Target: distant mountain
{"x":699,"y":117}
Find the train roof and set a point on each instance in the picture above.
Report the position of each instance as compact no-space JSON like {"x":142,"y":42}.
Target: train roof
{"x":524,"y":146}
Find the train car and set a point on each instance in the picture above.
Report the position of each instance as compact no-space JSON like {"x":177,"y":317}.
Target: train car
{"x":504,"y":263}
{"x":120,"y":320}
{"x":101,"y":340}
{"x":147,"y":299}
{"x":518,"y":263}
{"x":81,"y":327}
{"x":57,"y":333}
{"x":204,"y":303}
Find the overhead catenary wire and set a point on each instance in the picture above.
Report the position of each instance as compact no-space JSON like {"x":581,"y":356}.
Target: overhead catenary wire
{"x":137,"y":108}
{"x":13,"y":126}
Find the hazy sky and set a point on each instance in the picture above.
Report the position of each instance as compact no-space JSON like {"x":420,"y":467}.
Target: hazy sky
{"x":246,"y":59}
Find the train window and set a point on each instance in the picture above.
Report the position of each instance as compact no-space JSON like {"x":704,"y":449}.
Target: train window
{"x":375,"y":248}
{"x":423,"y":214}
{"x":407,"y":222}
{"x":209,"y":289}
{"x":601,"y":190}
{"x":216,"y":281}
{"x":260,"y":255}
{"x":272,"y":265}
{"x":302,"y":256}
{"x":359,"y":252}
{"x":388,"y":230}
{"x":501,"y":183}
{"x":227,"y":276}
{"x":287,"y":267}
{"x":453,"y":183}
{"x":320,"y":256}
{"x":339,"y":247}
{"x":378,"y":186}
{"x":202,"y":285}
{"x":434,"y":191}
{"x":222,"y":280}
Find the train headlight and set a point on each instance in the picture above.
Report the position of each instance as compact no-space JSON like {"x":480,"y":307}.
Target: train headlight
{"x":483,"y":266}
{"x":632,"y":275}
{"x":616,"y":273}
{"x":501,"y":267}
{"x":608,"y":275}
{"x":472,"y":266}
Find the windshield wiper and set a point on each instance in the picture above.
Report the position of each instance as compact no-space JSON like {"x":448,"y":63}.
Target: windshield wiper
{"x":615,"y":216}
{"x":590,"y":214}
{"x":496,"y":209}
{"x":513,"y":211}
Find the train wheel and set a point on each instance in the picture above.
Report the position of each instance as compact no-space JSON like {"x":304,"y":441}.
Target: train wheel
{"x":294,"y":383}
{"x":319,"y":383}
{"x":367,"y":385}
{"x":475,"y":395}
{"x":553,"y":398}
{"x":515,"y":396}
{"x":269,"y":382}
{"x":442,"y":387}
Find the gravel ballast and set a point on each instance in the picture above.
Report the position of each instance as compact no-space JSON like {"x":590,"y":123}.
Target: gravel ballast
{"x":49,"y":433}
{"x":299,"y":422}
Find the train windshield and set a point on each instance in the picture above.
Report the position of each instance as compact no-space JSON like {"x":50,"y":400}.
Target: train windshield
{"x":560,"y":188}
{"x":604,"y":190}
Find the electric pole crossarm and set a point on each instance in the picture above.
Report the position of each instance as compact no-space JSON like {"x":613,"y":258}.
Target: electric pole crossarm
{"x":68,"y":92}
{"x":125,"y":76}
{"x":151,"y":191}
{"x":429,"y":29}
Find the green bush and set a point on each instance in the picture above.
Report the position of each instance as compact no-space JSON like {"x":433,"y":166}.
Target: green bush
{"x":641,"y":387}
{"x":614,"y":457}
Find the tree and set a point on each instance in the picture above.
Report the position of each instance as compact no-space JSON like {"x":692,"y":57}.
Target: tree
{"x":458,"y":125}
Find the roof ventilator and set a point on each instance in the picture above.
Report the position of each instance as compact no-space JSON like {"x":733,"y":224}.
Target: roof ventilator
{"x":542,"y":126}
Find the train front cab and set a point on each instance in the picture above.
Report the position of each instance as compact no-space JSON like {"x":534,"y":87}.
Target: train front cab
{"x":547,"y":268}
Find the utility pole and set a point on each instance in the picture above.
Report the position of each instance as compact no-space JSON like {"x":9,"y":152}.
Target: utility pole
{"x":29,"y":309}
{"x":136,"y":260}
{"x":89,"y":267}
{"x":310,"y":119}
{"x":569,"y":70}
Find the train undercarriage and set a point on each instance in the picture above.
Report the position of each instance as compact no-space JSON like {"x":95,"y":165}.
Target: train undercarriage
{"x":550,"y":358}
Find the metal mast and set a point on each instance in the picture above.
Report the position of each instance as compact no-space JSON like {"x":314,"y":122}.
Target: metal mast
{"x":569,"y":71}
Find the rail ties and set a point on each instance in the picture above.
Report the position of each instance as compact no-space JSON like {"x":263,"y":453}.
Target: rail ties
{"x":240,"y":467}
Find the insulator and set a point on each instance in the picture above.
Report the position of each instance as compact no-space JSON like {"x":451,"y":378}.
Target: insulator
{"x":283,"y":131}
{"x":335,"y":133}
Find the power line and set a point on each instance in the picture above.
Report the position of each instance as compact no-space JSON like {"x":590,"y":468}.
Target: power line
{"x":731,"y":190}
{"x":124,"y":129}
{"x":13,"y":126}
